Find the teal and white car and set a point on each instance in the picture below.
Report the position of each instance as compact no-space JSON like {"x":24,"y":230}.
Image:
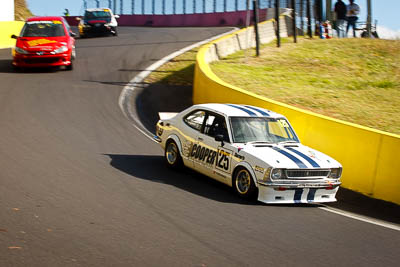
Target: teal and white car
{"x":251,"y":149}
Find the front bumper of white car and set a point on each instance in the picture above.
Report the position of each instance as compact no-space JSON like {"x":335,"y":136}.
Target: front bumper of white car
{"x":297,"y":193}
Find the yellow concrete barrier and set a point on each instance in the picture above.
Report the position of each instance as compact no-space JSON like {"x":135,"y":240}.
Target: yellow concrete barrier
{"x":369,"y":157}
{"x":7,"y":28}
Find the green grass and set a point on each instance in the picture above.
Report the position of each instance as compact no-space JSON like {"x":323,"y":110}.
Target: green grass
{"x":356,"y":80}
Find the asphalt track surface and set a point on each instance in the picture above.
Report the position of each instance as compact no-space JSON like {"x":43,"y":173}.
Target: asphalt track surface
{"x":80,"y":186}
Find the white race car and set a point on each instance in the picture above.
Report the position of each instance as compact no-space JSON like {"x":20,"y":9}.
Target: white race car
{"x":251,"y":149}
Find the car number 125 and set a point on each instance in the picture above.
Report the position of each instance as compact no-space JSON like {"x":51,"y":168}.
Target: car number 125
{"x":223,"y":160}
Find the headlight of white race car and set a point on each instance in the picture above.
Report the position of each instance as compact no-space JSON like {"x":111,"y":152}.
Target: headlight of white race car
{"x":60,"y":50}
{"x":21,"y":51}
{"x":278,"y":174}
{"x":335,"y":173}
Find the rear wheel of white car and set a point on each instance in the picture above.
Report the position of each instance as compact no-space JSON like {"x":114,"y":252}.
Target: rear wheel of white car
{"x":172,"y":156}
{"x":243,"y":183}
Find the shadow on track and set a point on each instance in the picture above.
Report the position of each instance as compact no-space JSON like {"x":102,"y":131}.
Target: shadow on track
{"x":152,"y":168}
{"x":6,"y":67}
{"x":135,"y":44}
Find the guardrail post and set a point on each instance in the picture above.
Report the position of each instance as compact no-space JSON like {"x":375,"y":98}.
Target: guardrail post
{"x":309,"y":30}
{"x":277,"y":23}
{"x":143,"y":7}
{"x":369,"y":18}
{"x":109,"y":4}
{"x":115,"y":6}
{"x":294,"y":21}
{"x":302,"y":16}
{"x":121,"y":6}
{"x":255,"y":14}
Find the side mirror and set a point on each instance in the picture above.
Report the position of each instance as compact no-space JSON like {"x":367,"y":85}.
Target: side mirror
{"x":116,"y":16}
{"x":71,"y":33}
{"x":220,"y":138}
{"x":14,"y":36}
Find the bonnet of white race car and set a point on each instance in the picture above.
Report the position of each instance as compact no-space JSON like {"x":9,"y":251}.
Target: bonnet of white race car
{"x":290,"y":156}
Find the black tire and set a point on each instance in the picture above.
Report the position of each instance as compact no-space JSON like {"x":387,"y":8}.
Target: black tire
{"x":243,"y":184}
{"x":172,"y":155}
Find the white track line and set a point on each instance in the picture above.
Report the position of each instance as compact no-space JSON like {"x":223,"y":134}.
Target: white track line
{"x":131,"y":86}
{"x":361,"y":218}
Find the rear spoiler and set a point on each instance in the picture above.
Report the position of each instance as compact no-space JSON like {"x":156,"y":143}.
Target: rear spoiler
{"x":166,"y":115}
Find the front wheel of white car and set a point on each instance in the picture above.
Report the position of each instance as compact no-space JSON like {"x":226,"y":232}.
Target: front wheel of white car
{"x":243,"y":184}
{"x":172,"y":156}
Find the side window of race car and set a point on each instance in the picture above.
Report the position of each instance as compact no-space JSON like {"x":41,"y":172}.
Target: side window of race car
{"x":216,"y":125}
{"x":195,"y":119}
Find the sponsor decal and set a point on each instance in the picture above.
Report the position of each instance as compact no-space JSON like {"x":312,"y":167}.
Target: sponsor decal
{"x":57,"y":22}
{"x":220,"y":158}
{"x":283,"y":123}
{"x":223,"y":160}
{"x":203,"y":154}
{"x":311,"y":154}
{"x":259,"y":169}
{"x":40,"y":42}
{"x":39,"y":22}
{"x":239,"y":156}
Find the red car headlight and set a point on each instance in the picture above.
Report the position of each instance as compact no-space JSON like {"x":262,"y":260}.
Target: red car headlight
{"x":60,"y":50}
{"x":21,"y":51}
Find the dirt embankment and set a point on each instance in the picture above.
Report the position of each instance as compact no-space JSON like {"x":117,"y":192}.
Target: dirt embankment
{"x":21,"y":10}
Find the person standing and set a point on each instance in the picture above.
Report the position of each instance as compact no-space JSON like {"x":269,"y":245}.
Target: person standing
{"x":340,"y":11}
{"x":352,"y":16}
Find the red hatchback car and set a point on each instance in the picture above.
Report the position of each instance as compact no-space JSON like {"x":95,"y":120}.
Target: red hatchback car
{"x":44,"y":42}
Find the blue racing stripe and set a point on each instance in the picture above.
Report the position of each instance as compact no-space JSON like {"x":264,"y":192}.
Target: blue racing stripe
{"x":290,"y":156}
{"x":243,"y":109}
{"x":310,"y":160}
{"x":297,"y":195}
{"x":311,"y":194}
{"x":262,"y":112}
